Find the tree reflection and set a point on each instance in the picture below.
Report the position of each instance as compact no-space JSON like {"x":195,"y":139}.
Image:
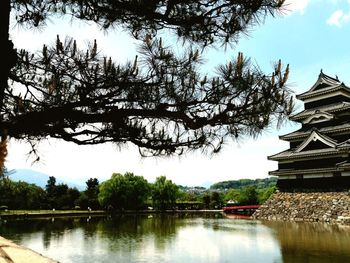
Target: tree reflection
{"x":156,"y":228}
{"x":181,"y":237}
{"x":312,"y":242}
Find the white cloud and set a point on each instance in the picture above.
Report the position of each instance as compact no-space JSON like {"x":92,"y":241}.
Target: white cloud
{"x":334,"y":19}
{"x":338,"y":18}
{"x":292,"y":6}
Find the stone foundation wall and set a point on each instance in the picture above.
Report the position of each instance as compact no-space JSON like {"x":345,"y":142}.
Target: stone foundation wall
{"x":330,"y":207}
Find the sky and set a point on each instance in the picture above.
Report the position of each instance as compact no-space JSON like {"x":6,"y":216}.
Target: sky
{"x":309,"y":36}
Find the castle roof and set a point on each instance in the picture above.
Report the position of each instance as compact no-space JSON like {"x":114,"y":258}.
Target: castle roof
{"x":332,"y":147}
{"x":325,"y":110}
{"x":316,"y":136}
{"x":342,"y":166}
{"x":314,"y":154}
{"x":303,"y":171}
{"x":324,"y":85}
{"x":301,"y":134}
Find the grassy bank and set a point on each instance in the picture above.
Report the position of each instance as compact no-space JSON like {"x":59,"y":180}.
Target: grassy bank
{"x":58,"y":213}
{"x":49,"y":213}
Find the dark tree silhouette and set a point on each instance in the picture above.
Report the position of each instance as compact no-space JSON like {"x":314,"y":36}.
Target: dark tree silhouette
{"x":91,"y":193}
{"x":92,"y":187}
{"x":160,"y":101}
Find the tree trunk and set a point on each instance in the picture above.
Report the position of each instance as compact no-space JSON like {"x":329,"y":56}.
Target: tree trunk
{"x":9,"y":54}
{"x":8,"y":61}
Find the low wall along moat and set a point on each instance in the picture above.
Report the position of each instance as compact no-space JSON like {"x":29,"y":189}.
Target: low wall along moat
{"x":330,"y":207}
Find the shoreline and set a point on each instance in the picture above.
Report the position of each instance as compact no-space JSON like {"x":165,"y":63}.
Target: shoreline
{"x":36,"y":214}
{"x":72,"y":213}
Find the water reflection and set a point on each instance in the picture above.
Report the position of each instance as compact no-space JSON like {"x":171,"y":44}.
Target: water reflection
{"x":312,"y":242}
{"x":179,"y":238}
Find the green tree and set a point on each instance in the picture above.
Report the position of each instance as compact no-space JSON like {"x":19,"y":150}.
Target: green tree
{"x":164,"y":193}
{"x":91,"y":192}
{"x":216,"y":200}
{"x":241,"y":183}
{"x":126,"y":191}
{"x":51,"y":192}
{"x":50,"y":185}
{"x":82,"y":201}
{"x":21,"y":195}
{"x":248,"y":196}
{"x":71,"y":197}
{"x":5,"y":191}
{"x":92,"y":187}
{"x":265,"y":194}
{"x":28,"y":196}
{"x":161,"y":101}
{"x":206,"y":200}
{"x":232,"y":194}
{"x":60,"y":196}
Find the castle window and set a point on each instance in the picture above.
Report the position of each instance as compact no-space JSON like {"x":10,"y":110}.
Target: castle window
{"x":337,"y":174}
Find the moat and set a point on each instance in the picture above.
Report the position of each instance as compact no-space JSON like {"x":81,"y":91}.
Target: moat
{"x":208,"y":237}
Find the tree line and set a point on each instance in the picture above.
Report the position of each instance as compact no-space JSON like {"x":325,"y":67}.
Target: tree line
{"x":243,"y":183}
{"x":22,"y":195}
{"x":122,"y":192}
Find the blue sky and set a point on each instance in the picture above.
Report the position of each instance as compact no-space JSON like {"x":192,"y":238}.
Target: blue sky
{"x":308,"y":39}
{"x":312,"y":35}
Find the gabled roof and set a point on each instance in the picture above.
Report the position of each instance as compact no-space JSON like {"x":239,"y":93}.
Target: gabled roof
{"x":335,"y":107}
{"x":344,"y":144}
{"x":319,"y":116}
{"x":301,"y":134}
{"x":316,"y":136}
{"x":333,"y":148}
{"x":324,"y":84}
{"x":324,"y":81}
{"x":323,"y":91}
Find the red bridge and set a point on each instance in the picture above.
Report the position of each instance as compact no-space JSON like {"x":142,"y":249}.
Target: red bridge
{"x":241,"y":209}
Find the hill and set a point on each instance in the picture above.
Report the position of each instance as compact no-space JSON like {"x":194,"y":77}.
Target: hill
{"x":38,"y":178}
{"x":241,"y":183}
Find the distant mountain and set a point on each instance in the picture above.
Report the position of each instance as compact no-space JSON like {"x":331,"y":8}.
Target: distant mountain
{"x":241,"y":183}
{"x":38,"y":178}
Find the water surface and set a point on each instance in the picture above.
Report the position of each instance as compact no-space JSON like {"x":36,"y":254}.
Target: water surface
{"x":179,"y":238}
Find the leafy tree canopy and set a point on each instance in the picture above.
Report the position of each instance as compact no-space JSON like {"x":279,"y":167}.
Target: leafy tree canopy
{"x":242,"y":183}
{"x":248,"y":196}
{"x":126,"y":191}
{"x":92,"y":187}
{"x":21,"y":195}
{"x":164,"y":193}
{"x":161,"y":101}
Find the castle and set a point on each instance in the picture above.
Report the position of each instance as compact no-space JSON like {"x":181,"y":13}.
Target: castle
{"x":319,"y":153}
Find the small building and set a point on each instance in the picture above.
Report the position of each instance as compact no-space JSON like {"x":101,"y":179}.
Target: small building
{"x":319,"y":153}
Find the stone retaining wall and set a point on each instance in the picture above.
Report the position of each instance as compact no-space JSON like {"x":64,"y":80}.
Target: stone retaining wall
{"x":12,"y":253}
{"x":330,"y":207}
